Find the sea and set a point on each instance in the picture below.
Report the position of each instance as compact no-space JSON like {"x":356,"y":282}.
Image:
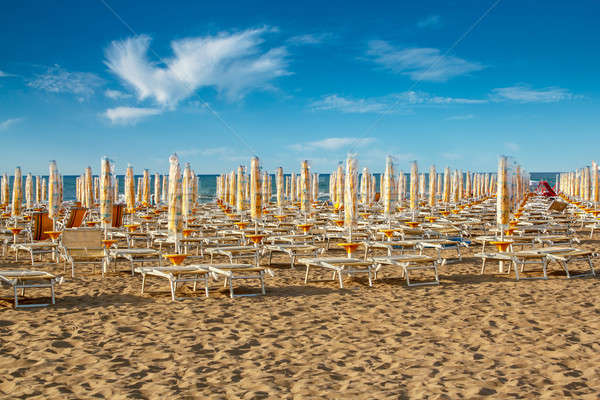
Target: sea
{"x":208,"y":183}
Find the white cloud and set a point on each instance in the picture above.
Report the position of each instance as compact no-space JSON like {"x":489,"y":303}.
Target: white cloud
{"x":386,"y":104}
{"x":525,"y":94}
{"x":5,"y":75}
{"x":58,"y":80}
{"x":310,"y":38}
{"x":348,"y":105}
{"x":234,"y":64}
{"x":512,"y":146}
{"x":116,"y":94}
{"x":334,"y":143}
{"x":432,"y":21}
{"x":129,"y":115}
{"x":422,"y":64}
{"x":9,"y":122}
{"x":460,"y":117}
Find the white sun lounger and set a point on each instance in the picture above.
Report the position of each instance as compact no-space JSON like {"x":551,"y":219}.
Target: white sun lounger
{"x":234,"y":252}
{"x":233,"y":272}
{"x":410,"y":262}
{"x":339,"y":266}
{"x":25,"y":279}
{"x":291,"y":250}
{"x":134,"y":256}
{"x":176,"y":275}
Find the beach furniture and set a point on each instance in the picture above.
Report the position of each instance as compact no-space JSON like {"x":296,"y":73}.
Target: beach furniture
{"x":133,"y":256}
{"x":235,"y":252}
{"x":340,"y":266}
{"x":177,"y":275}
{"x":19,"y":280}
{"x":441,"y":245}
{"x":74,"y":218}
{"x":82,"y":246}
{"x":410,"y":262}
{"x":567,"y":255}
{"x":232,"y":272}
{"x":41,"y":229}
{"x":292,"y":250}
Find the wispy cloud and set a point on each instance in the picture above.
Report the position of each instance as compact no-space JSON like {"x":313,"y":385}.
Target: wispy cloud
{"x":432,"y":21}
{"x":311,"y":38}
{"x":526,"y":94}
{"x":9,"y":122}
{"x":334,"y":143}
{"x":129,"y":115}
{"x":5,"y":74}
{"x":452,"y":156}
{"x":58,"y":80}
{"x":116,"y":94}
{"x":512,"y":146}
{"x":386,"y":104}
{"x":423,"y":64}
{"x":234,"y":64}
{"x":349,"y":105}
{"x":460,"y":117}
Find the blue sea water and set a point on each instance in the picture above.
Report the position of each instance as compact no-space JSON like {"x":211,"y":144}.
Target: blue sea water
{"x":208,"y":183}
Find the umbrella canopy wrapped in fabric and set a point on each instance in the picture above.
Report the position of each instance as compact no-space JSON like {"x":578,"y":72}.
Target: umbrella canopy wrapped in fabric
{"x":255,"y":192}
{"x":350,"y":192}
{"x":105,"y":195}
{"x":414,"y":184}
{"x":44,"y":188}
{"x":467,"y":193}
{"x":594,"y":183}
{"x":265,"y":188}
{"x":175,"y":220}
{"x":146,"y":187}
{"x":432,"y":183}
{"x":446,"y":195}
{"x":165,"y":189}
{"x":292,"y":188}
{"x":365,"y":181}
{"x":5,"y":190}
{"x":88,"y":187}
{"x":29,"y":191}
{"x":115,"y":184}
{"x":156,"y":188}
{"x":339,"y":186}
{"x":502,"y":200}
{"x":315,"y":186}
{"x":387,"y":191}
{"x":401,"y":188}
{"x":240,"y":190}
{"x":129,"y":190}
{"x":17,"y":193}
{"x":38,"y":189}
{"x":455,"y":187}
{"x":187,"y":188}
{"x":279,"y":187}
{"x":232,"y":188}
{"x":332,"y":190}
{"x":305,"y":195}
{"x":53,"y":192}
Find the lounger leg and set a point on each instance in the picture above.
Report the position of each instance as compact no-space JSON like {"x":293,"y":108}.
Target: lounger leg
{"x":173,"y":288}
{"x":564,"y":265}
{"x":231,"y":288}
{"x":16,"y":297}
{"x":340,"y":279}
{"x":143,"y":281}
{"x":262,"y":282}
{"x":72,"y":269}
{"x":407,"y":278}
{"x":206,"y":284}
{"x":369,"y":274}
{"x":306,"y":275}
{"x":482,"y":266}
{"x":437,"y":278}
{"x":270,"y":256}
{"x":545,"y":268}
{"x":52,"y":292}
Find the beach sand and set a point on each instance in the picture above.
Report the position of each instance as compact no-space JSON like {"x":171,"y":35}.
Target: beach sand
{"x":472,"y":336}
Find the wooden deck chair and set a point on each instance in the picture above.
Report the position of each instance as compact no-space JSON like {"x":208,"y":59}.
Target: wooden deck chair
{"x":83,"y":246}
{"x":40,"y":223}
{"x":75,"y":217}
{"x":117,"y":215}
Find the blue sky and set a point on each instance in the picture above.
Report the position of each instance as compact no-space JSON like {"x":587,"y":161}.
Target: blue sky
{"x":219,"y":82}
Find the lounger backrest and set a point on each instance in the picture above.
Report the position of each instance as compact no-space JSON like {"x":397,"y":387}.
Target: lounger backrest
{"x":76,"y":216}
{"x":82,"y":238}
{"x":117,"y":215}
{"x":40,"y":223}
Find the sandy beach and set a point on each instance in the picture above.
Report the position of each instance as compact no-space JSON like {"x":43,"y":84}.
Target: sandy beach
{"x":472,"y":336}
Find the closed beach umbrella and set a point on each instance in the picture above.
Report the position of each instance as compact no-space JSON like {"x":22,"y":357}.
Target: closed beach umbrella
{"x":187,"y":192}
{"x":129,"y":190}
{"x":17,"y":193}
{"x":502,"y":200}
{"x":350,"y":193}
{"x":240,"y":189}
{"x":279,"y":187}
{"x":468,"y":185}
{"x":175,"y":220}
{"x":255,"y":194}
{"x":594,"y":182}
{"x":332,"y":188}
{"x":5,"y":190}
{"x":156,"y":188}
{"x":265,"y":188}
{"x":29,"y":191}
{"x":115,"y":189}
{"x":146,"y":187}
{"x":105,"y":194}
{"x":38,"y":189}
{"x":446,"y":194}
{"x":165,"y":189}
{"x":365,"y":181}
{"x":387,"y":188}
{"x":414,"y":183}
{"x":292,"y":188}
{"x":305,"y":201}
{"x":44,"y":192}
{"x":432,"y":182}
{"x":339,"y":186}
{"x":401,"y":188}
{"x":315,"y":186}
{"x":89,"y":199}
